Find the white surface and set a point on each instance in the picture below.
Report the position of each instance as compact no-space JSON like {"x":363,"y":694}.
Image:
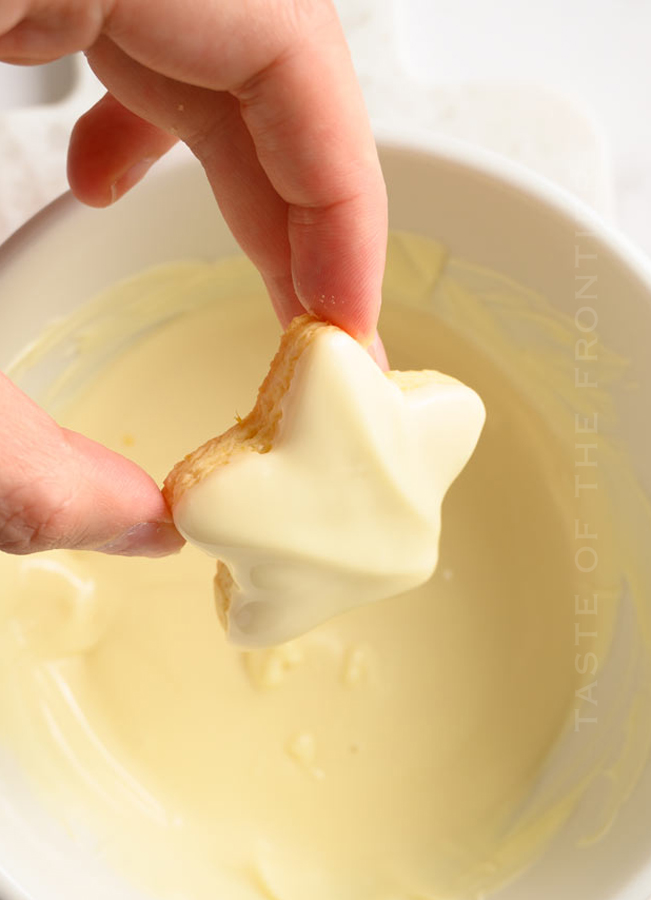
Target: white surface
{"x":594,"y":50}
{"x":546,"y":129}
{"x":553,"y":86}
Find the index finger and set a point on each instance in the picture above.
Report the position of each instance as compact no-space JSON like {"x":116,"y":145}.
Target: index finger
{"x":312,"y":135}
{"x":288,"y":64}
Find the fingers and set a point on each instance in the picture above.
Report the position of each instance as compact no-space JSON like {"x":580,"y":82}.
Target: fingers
{"x":38,"y":31}
{"x":256,"y":214}
{"x":59,"y":489}
{"x":312,"y":136}
{"x":288,"y":65}
{"x":110,"y":150}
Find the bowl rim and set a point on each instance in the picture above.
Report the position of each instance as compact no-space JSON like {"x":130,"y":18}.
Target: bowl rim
{"x":511,"y":173}
{"x":408,"y":140}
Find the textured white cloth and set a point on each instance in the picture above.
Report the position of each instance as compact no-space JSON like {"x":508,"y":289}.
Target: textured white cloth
{"x":34,"y":138}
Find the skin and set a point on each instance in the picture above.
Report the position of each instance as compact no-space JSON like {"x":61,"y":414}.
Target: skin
{"x":265,"y":95}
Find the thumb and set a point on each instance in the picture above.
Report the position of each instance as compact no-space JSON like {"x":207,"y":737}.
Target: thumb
{"x":59,"y":489}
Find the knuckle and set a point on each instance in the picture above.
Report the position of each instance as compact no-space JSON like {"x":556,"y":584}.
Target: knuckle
{"x":33,"y":517}
{"x":297,"y":25}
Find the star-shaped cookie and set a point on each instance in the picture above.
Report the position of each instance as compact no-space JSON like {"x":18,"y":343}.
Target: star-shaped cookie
{"x":328,"y":494}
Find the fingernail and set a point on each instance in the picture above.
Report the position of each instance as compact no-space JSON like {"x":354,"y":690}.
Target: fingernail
{"x":150,"y":539}
{"x":377,"y":352}
{"x":130,"y":177}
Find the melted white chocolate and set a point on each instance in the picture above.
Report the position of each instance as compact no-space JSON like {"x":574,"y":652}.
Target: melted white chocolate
{"x":345,"y":508}
{"x":407,"y":750}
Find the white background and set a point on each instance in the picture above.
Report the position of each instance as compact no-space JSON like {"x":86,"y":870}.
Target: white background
{"x":597,"y":51}
{"x":561,"y":85}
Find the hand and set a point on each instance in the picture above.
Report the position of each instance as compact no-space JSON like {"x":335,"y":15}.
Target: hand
{"x":264,"y":93}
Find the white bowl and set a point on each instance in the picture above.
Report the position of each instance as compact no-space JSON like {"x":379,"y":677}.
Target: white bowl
{"x":483,"y":209}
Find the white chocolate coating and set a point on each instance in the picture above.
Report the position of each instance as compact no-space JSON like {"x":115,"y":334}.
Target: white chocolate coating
{"x":345,"y":508}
